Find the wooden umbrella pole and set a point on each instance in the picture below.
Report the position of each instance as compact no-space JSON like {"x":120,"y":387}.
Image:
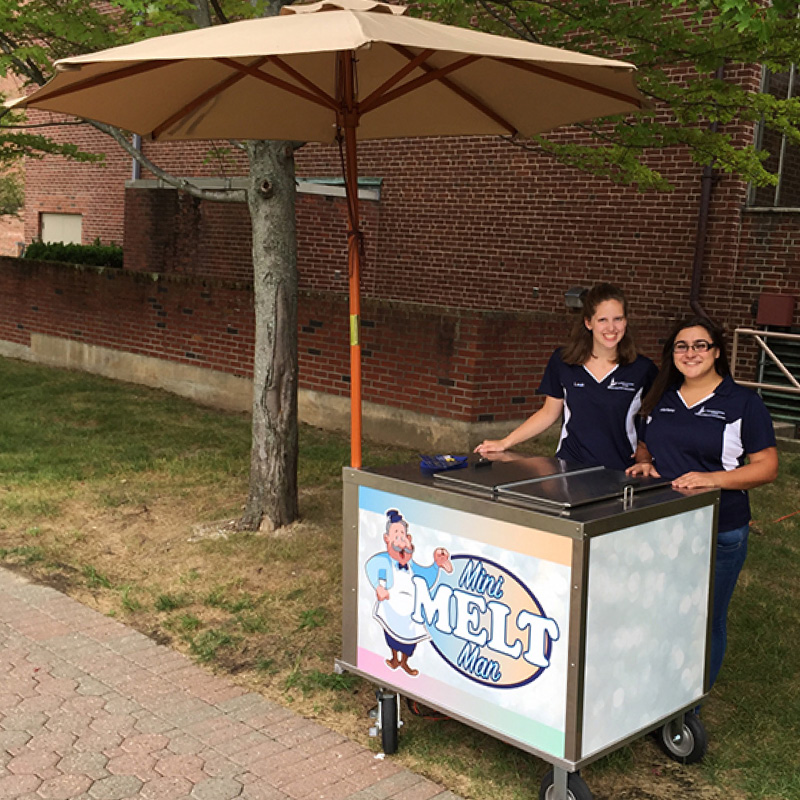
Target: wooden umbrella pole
{"x":350,"y":123}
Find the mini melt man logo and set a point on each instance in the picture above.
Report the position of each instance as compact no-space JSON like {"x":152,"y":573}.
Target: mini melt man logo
{"x":486,"y":624}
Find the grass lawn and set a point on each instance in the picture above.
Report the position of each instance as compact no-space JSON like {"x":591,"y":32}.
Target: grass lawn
{"x":121,"y":496}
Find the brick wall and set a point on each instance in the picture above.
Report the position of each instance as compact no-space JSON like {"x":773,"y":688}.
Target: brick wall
{"x":468,"y":365}
{"x":203,"y":323}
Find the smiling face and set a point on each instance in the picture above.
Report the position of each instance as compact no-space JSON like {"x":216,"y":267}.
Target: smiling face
{"x":607,"y":325}
{"x":694,"y":364}
{"x":398,"y":543}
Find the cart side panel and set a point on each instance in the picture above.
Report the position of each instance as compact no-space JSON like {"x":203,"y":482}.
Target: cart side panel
{"x":646,"y":624}
{"x":349,"y":572}
{"x":485,"y":642}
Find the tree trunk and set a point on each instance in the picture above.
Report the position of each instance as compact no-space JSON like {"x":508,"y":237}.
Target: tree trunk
{"x":272,"y":498}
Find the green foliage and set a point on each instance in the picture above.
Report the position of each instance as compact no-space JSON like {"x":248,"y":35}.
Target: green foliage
{"x":171,"y":602}
{"x":311,"y":618}
{"x":12,"y":194}
{"x":678,"y":46}
{"x":25,"y":555}
{"x":128,"y":600}
{"x":34,"y":34}
{"x":314,"y":680}
{"x":205,"y":645}
{"x":98,"y":255}
{"x":95,"y":579}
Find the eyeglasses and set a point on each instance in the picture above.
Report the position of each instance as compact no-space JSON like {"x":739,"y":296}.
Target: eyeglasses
{"x":700,"y":346}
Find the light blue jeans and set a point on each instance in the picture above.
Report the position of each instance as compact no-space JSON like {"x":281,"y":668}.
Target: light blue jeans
{"x":731,"y":553}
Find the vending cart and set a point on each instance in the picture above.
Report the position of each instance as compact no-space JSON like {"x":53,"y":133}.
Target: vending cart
{"x":564,"y":610}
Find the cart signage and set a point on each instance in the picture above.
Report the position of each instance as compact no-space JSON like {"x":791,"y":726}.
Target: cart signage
{"x":485,"y":623}
{"x":468,"y":613}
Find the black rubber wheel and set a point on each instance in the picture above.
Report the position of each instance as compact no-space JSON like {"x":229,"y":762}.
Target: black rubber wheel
{"x":576,"y":787}
{"x":686,"y":742}
{"x":388,"y":703}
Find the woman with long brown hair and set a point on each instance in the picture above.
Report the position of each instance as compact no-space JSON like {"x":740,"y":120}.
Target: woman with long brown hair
{"x":597,"y":382}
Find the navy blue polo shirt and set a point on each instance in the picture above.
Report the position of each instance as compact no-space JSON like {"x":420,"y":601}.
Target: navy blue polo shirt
{"x":599,"y":427}
{"x":712,"y":435}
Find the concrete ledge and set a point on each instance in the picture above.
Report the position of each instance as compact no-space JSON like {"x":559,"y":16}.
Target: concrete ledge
{"x":785,"y":437}
{"x":390,"y":425}
{"x":202,"y":385}
{"x":13,"y":350}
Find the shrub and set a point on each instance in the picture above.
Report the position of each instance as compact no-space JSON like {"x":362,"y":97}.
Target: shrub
{"x":12,"y":195}
{"x":97,"y":255}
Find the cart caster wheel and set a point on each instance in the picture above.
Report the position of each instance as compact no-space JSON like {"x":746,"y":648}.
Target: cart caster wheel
{"x":684,"y":740}
{"x":576,"y":787}
{"x":388,"y":722}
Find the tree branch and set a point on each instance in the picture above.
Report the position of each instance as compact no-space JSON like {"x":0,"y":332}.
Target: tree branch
{"x":219,"y":12}
{"x":33,"y":126}
{"x":217,"y":196}
{"x":25,"y":67}
{"x":528,"y":33}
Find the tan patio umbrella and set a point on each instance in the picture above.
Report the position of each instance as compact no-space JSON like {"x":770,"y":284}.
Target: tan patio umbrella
{"x":352,"y":68}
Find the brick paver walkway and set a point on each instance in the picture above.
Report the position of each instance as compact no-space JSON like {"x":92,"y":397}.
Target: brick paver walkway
{"x":93,"y":710}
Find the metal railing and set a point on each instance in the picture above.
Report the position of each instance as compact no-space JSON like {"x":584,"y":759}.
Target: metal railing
{"x":760,"y":338}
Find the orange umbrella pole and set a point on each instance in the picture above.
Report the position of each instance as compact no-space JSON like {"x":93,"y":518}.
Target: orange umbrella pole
{"x":350,"y":123}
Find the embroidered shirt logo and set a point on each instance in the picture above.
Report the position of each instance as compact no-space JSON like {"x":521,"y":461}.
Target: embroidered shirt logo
{"x":622,"y":386}
{"x":714,"y":413}
{"x":578,"y":384}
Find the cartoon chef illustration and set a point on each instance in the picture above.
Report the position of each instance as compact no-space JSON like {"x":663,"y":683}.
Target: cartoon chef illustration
{"x":391,"y":575}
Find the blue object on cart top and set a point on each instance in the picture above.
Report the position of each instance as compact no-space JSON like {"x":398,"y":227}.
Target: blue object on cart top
{"x":440,"y":463}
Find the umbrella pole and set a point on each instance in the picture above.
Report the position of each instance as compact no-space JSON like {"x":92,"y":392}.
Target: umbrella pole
{"x":350,"y":123}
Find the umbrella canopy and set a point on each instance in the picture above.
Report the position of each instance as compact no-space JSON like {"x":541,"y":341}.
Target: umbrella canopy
{"x":276,"y":78}
{"x":351,"y":68}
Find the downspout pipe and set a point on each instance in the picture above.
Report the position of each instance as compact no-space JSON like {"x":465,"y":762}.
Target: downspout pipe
{"x":136,"y":167}
{"x":707,"y":181}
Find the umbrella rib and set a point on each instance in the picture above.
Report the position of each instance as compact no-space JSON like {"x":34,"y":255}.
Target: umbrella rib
{"x":318,"y":99}
{"x":99,"y":80}
{"x":300,"y":78}
{"x":199,"y":101}
{"x":580,"y":84}
{"x":440,"y":75}
{"x":367,"y":103}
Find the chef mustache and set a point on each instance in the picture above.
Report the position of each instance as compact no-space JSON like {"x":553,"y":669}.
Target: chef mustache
{"x":409,"y":549}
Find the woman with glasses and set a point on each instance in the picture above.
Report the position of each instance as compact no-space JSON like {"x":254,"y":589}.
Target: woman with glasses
{"x":703,"y":430}
{"x":596,"y":382}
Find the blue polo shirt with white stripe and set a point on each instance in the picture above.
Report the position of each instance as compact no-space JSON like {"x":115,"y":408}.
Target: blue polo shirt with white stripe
{"x":599,"y":427}
{"x":712,"y":435}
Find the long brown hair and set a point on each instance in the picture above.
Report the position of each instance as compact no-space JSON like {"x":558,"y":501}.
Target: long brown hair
{"x":669,"y":375}
{"x":578,"y":349}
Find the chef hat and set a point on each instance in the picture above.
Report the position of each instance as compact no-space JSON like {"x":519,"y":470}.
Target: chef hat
{"x":394,"y":516}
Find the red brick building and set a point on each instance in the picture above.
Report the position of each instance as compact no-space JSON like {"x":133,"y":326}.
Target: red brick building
{"x":471,"y":245}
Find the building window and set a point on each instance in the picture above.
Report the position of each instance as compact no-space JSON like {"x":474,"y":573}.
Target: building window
{"x":784,"y":156}
{"x":66,"y":228}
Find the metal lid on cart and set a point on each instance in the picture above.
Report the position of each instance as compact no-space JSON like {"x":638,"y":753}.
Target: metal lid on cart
{"x":545,"y":483}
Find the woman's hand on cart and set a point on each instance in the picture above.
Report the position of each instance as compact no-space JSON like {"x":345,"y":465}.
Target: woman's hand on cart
{"x":490,"y":446}
{"x":643,"y":468}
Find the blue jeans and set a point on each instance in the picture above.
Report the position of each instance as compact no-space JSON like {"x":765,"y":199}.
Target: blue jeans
{"x":731,"y":553}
